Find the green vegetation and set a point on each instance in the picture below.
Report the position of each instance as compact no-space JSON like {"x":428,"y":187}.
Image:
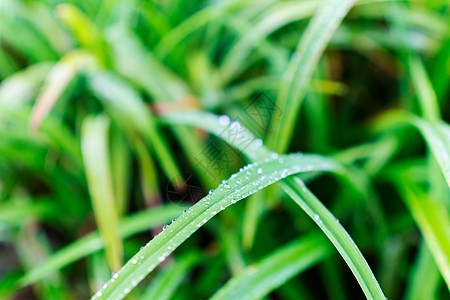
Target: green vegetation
{"x":131,"y":130}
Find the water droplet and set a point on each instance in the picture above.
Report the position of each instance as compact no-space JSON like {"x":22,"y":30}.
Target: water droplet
{"x":259,"y":171}
{"x":210,"y":192}
{"x":235,"y":125}
{"x":214,"y":212}
{"x":224,"y":120}
{"x":274,"y":155}
{"x":227,"y":186}
{"x":105,"y":285}
{"x":258,"y":142}
{"x":164,"y":227}
{"x":173,"y":220}
{"x":115,"y":275}
{"x":316,"y":217}
{"x":99,"y":294}
{"x":134,"y":261}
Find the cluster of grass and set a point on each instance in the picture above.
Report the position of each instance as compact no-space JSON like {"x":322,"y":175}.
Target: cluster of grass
{"x":118,"y":116}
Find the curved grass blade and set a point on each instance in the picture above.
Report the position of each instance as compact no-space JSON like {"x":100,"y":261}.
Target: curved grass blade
{"x":295,"y":187}
{"x":92,"y":242}
{"x":23,"y":85}
{"x":300,"y":69}
{"x":128,"y":109}
{"x":275,"y":18}
{"x":436,"y":135}
{"x":432,"y":218}
{"x":94,"y":147}
{"x":257,"y":280}
{"x":246,"y":182}
{"x":62,"y":73}
{"x":166,"y":282}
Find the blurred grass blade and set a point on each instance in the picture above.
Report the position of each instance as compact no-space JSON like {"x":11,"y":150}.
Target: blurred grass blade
{"x":85,"y":31}
{"x":421,"y":82}
{"x":56,"y":82}
{"x":299,"y":72}
{"x":24,"y":85}
{"x":424,"y":280}
{"x":129,"y":111}
{"x":94,"y":147}
{"x":258,"y":280}
{"x":120,"y":168}
{"x":294,"y":187}
{"x":432,"y":218}
{"x":164,"y":285}
{"x":91,"y":243}
{"x":275,"y":18}
{"x":148,"y":174}
{"x":247,"y":181}
{"x":436,"y":135}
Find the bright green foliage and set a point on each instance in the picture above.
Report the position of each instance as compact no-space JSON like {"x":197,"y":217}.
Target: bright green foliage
{"x":118,"y":115}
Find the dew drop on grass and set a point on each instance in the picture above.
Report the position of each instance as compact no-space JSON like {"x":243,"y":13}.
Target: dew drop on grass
{"x":134,"y":261}
{"x":259,"y":171}
{"x":224,"y":120}
{"x":99,"y":294}
{"x":115,"y":275}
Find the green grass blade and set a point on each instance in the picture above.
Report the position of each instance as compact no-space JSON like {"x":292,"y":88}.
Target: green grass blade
{"x":129,"y":111}
{"x":295,"y":187}
{"x":272,"y":20}
{"x":436,"y":135}
{"x":247,"y":181}
{"x":300,"y":69}
{"x":425,"y":278}
{"x":94,"y":147}
{"x":166,"y":282}
{"x":56,"y":83}
{"x":257,"y":280}
{"x":432,"y":218}
{"x":92,"y":242}
{"x":421,"y":82}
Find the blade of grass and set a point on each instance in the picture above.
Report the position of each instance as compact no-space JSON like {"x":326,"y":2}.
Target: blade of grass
{"x":165,"y":283}
{"x":62,"y":73}
{"x":246,"y":182}
{"x":94,"y":147}
{"x":258,"y":280}
{"x":436,"y":135}
{"x":300,"y":69}
{"x":91,"y":243}
{"x":432,"y":218}
{"x":129,"y":111}
{"x":424,"y":280}
{"x":296,"y":189}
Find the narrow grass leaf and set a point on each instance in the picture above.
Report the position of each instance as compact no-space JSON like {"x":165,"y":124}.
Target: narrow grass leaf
{"x":129,"y":111}
{"x":258,"y":280}
{"x":164,"y":285}
{"x":246,"y":182}
{"x":300,"y":69}
{"x":432,"y":218}
{"x":253,"y":149}
{"x":91,"y":243}
{"x":98,"y":172}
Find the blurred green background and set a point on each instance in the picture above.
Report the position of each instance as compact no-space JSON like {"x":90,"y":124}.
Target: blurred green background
{"x":91,"y":169}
